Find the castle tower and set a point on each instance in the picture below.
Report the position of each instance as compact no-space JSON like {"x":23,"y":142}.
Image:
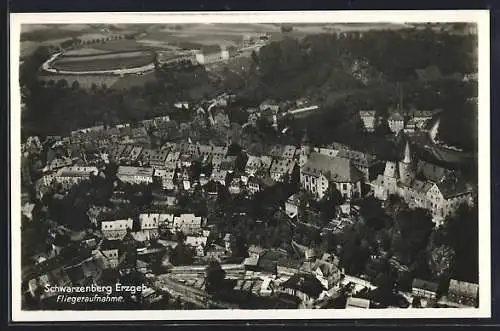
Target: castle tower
{"x":406,"y":166}
{"x":391,"y":170}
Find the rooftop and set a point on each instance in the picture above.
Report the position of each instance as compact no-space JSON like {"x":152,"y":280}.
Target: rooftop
{"x":335,"y":169}
{"x":134,"y":171}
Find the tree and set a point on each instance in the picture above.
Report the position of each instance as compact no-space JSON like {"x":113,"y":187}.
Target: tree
{"x":214,"y":277}
{"x":441,"y":260}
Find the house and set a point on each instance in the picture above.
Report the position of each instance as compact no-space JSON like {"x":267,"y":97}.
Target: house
{"x":145,"y":157}
{"x":149,"y":224}
{"x":72,"y":175}
{"x":253,"y":164}
{"x":281,"y":169}
{"x":211,"y":54}
{"x":116,"y":230}
{"x":110,"y":253}
{"x":327,"y":273}
{"x":368,"y":118}
{"x":395,"y":122}
{"x":254,"y":185}
{"x":187,"y":223}
{"x":167,"y":178}
{"x":219,"y":176}
{"x":322,"y":172}
{"x":235,"y":186}
{"x":289,"y":152}
{"x":424,"y":289}
{"x":304,"y":286}
{"x":271,"y":105}
{"x":228,"y":163}
{"x":265,"y":163}
{"x":463,"y":293}
{"x":158,"y":157}
{"x":198,"y":243}
{"x":135,"y":175}
{"x":172,"y":158}
{"x":357,"y":303}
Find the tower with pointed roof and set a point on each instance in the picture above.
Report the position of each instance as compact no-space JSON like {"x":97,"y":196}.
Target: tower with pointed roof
{"x":406,"y":173}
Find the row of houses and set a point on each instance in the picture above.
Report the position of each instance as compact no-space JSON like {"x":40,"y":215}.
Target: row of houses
{"x":410,"y":122}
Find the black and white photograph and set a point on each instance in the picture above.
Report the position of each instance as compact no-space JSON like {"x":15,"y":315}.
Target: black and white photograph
{"x":265,"y":165}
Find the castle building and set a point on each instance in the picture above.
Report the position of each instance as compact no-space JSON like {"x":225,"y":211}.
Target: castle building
{"x":441,"y":195}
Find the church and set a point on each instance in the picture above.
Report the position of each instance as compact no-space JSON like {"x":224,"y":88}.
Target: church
{"x":423,"y":185}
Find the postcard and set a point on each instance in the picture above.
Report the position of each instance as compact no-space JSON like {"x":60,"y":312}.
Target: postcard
{"x":250,"y":165}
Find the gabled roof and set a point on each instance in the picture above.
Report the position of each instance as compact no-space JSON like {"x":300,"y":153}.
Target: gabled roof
{"x":336,"y":169}
{"x":305,"y":283}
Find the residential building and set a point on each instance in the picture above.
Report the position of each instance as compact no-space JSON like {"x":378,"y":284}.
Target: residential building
{"x":199,"y":243}
{"x":463,"y":293}
{"x":110,"y":252}
{"x":253,"y":165}
{"x":167,"y":178}
{"x":172,"y":158}
{"x":424,"y":289}
{"x":158,"y":157}
{"x":368,"y":118}
{"x":135,"y":175}
{"x":149,"y":224}
{"x":322,"y":172}
{"x":72,"y":175}
{"x":188,"y":224}
{"x":116,"y":230}
{"x":281,"y":169}
{"x":212,"y":54}
{"x":395,"y":122}
{"x":235,"y":186}
{"x":304,"y":286}
{"x":219,"y":176}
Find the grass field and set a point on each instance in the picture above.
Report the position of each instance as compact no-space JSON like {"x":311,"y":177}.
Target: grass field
{"x":104,"y":62}
{"x":84,"y":51}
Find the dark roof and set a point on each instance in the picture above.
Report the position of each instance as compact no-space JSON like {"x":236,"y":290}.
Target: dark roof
{"x":396,"y":116}
{"x":358,"y":158}
{"x":431,"y":171}
{"x":424,"y":285}
{"x":336,"y":169}
{"x":305,"y":283}
{"x":453,"y":186}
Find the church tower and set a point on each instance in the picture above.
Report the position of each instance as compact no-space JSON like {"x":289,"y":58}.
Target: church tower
{"x":406,"y":166}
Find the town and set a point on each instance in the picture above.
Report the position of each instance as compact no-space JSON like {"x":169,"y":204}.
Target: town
{"x":210,"y":211}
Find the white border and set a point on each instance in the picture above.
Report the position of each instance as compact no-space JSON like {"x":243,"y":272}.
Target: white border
{"x":481,"y":17}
